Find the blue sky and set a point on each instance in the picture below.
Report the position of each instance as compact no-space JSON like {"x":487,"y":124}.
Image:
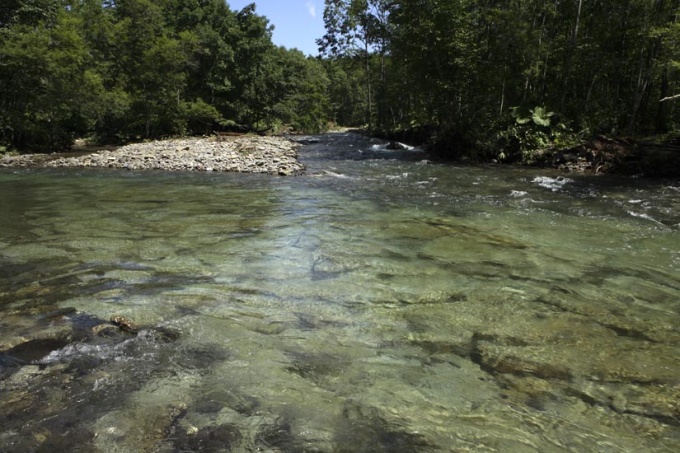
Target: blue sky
{"x":297,"y":23}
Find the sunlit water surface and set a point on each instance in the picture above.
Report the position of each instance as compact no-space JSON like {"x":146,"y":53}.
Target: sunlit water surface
{"x":378,"y":303}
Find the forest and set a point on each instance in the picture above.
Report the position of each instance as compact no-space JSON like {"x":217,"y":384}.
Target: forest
{"x":483,"y":78}
{"x":504,"y":78}
{"x":126,"y":70}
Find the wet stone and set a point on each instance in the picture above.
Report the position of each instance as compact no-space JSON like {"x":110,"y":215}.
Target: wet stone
{"x":162,"y":334}
{"x":106,"y":330}
{"x":498,"y":360}
{"x":202,"y":357}
{"x":222,"y":438}
{"x":34,"y":350}
{"x":208,"y":407}
{"x":315,"y":366}
{"x":24,"y":373}
{"x":364,"y":429}
{"x":57,"y":314}
{"x":125,"y":324}
{"x":329,"y":267}
{"x":280,"y":437}
{"x":243,"y":404}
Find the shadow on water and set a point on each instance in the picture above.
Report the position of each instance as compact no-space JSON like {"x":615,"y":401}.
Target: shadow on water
{"x":40,"y":286}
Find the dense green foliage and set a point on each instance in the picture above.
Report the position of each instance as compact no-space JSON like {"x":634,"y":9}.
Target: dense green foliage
{"x":122,"y":70}
{"x":493,"y":78}
{"x":465,"y":73}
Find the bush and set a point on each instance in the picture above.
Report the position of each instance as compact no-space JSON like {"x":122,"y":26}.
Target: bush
{"x":527,"y":133}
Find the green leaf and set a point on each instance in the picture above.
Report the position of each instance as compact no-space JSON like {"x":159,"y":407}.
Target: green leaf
{"x":541,"y":117}
{"x":521,"y":113}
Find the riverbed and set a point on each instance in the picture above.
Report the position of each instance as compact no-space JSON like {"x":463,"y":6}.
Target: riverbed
{"x":380,"y":302}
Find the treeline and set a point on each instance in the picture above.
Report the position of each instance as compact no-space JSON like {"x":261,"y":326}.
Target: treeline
{"x":483,"y":78}
{"x":504,"y":77}
{"x":120,"y":70}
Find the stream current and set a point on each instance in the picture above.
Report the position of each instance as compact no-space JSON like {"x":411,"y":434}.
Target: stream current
{"x":378,"y":303}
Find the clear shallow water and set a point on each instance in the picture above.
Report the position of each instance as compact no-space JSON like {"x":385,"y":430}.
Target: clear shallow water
{"x":379,"y":303}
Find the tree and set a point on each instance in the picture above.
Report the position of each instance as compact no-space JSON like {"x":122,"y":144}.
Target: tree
{"x":47,"y":92}
{"x":252,"y":46}
{"x":345,"y":98}
{"x":458,"y":68}
{"x":354,"y":28}
{"x":298,"y":87}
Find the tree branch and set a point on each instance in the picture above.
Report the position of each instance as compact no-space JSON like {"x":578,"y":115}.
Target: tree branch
{"x":670,"y":98}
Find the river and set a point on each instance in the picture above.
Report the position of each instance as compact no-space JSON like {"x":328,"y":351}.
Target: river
{"x":379,"y":303}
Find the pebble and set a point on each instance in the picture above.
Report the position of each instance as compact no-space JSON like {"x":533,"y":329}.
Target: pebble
{"x":245,"y":154}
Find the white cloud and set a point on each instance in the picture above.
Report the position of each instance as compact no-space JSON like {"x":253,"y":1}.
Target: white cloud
{"x":311,"y":8}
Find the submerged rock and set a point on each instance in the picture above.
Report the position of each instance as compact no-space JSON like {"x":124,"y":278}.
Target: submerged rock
{"x":212,"y":438}
{"x":34,"y":350}
{"x":396,"y":146}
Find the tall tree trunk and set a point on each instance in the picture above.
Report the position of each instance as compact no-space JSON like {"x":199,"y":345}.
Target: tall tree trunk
{"x":662,"y":113}
{"x":500,"y":110}
{"x":368,"y":88}
{"x":645,"y":76}
{"x":569,"y":60}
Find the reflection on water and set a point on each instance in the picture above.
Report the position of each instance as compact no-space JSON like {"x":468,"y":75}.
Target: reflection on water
{"x":379,"y":303}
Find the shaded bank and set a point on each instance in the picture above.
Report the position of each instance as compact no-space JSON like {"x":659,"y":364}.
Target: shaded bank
{"x":599,"y":154}
{"x":619,"y":156}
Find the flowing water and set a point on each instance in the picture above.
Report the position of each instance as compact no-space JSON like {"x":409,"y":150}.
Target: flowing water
{"x":379,"y":303}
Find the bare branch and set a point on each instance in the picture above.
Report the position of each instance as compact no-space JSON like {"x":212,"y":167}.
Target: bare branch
{"x":670,"y":98}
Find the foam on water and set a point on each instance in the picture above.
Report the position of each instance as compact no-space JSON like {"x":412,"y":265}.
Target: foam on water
{"x":553,"y":184}
{"x":389,"y":147}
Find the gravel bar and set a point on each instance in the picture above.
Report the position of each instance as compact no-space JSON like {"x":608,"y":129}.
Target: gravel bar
{"x":247,"y":154}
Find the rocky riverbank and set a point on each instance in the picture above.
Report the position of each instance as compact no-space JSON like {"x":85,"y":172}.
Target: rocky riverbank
{"x":618,"y":156}
{"x":246,"y":154}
